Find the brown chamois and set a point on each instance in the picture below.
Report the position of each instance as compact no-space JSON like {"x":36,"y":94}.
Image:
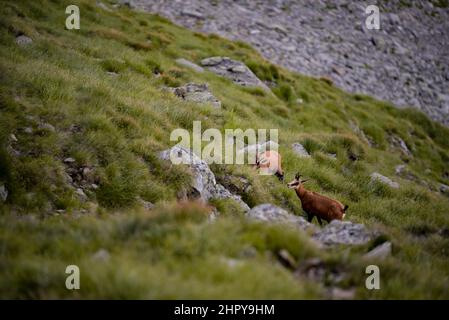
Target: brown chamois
{"x":315,"y":204}
{"x":271,"y":162}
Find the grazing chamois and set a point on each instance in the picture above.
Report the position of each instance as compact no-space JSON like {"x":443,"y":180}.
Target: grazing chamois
{"x":271,"y":162}
{"x":315,"y":204}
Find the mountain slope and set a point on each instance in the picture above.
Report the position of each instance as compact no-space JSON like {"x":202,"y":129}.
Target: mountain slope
{"x":84,"y":114}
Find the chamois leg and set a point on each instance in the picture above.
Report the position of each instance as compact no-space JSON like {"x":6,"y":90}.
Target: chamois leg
{"x":309,"y":217}
{"x":319,"y":220}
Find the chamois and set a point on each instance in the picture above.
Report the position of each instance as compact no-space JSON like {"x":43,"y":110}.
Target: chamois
{"x":271,"y":161}
{"x":315,"y":204}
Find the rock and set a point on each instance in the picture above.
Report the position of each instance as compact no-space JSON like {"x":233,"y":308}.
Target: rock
{"x":360,"y":133}
{"x":270,"y":213}
{"x":3,"y":193}
{"x":341,"y":294}
{"x":237,"y":185}
{"x":343,"y":232}
{"x":221,"y":192}
{"x":23,"y":40}
{"x":398,"y":143}
{"x":300,"y":150}
{"x":81,"y":194}
{"x":317,"y":270}
{"x":198,"y":93}
{"x":101,"y":255}
{"x":286,"y":259}
{"x":380,"y":252}
{"x":192,"y":13}
{"x":13,"y":138}
{"x":400,"y":168}
{"x":146,"y":204}
{"x":402,"y":171}
{"x":375,"y":176}
{"x":69,"y":160}
{"x":204,"y":184}
{"x":444,"y":189}
{"x":248,"y":252}
{"x":128,"y":3}
{"x":103,"y":6}
{"x":28,"y":130}
{"x":212,"y":61}
{"x":234,"y":70}
{"x":189,"y":64}
{"x":46,"y":127}
{"x":112,"y":73}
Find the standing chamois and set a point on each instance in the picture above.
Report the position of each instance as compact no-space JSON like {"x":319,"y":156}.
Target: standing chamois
{"x":315,"y":204}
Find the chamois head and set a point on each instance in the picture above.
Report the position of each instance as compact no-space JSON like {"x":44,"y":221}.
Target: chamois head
{"x":296,"y":182}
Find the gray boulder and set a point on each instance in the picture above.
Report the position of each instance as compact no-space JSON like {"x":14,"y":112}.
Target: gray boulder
{"x":203,"y":183}
{"x":268,"y":212}
{"x":198,"y":93}
{"x":398,"y":143}
{"x":343,"y":232}
{"x":234,"y":70}
{"x":380,"y":252}
{"x":189,"y":64}
{"x":375,"y":176}
{"x":335,"y":233}
{"x":300,"y":150}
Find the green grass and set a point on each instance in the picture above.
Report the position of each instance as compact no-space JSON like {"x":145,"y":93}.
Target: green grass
{"x":116,"y":124}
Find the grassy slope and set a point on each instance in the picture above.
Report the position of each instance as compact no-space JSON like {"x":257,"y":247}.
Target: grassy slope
{"x":116,"y":125}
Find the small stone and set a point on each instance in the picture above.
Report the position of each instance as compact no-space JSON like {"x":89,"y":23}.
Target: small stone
{"x":23,"y":40}
{"x":191,"y":13}
{"x":94,"y":186}
{"x":380,"y":252}
{"x":69,"y":160}
{"x":444,"y":189}
{"x":13,"y":137}
{"x":28,"y":130}
{"x":238,"y":69}
{"x":399,"y":169}
{"x":300,"y":150}
{"x":103,"y":6}
{"x":189,"y":64}
{"x":101,"y":255}
{"x":375,"y":176}
{"x":128,"y":3}
{"x":81,"y":193}
{"x":146,"y":204}
{"x":47,"y":127}
{"x":197,"y":93}
{"x":3,"y":193}
{"x":279,"y":28}
{"x":341,"y":294}
{"x":112,"y":74}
